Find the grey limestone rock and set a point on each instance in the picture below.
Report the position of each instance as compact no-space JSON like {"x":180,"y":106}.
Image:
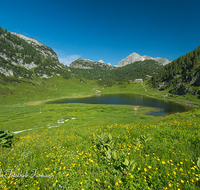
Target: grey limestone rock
{"x":136,"y":57}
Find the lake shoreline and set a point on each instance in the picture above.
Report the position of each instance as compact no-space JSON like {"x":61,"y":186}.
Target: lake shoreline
{"x":161,"y":107}
{"x":137,"y":88}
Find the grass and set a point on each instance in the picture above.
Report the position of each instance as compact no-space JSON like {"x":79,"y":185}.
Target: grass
{"x":82,"y":146}
{"x":165,"y":155}
{"x":44,"y":89}
{"x":46,"y":115}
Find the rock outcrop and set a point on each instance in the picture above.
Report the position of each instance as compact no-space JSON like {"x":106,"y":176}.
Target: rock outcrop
{"x":24,"y":57}
{"x":89,"y":64}
{"x":136,"y":57}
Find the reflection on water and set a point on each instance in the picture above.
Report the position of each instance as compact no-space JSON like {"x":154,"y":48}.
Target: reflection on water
{"x":163,"y":107}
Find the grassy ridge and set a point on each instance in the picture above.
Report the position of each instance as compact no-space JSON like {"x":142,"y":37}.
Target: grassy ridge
{"x":80,"y":146}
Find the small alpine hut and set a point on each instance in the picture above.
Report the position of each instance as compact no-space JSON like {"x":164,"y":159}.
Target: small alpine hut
{"x":138,"y":80}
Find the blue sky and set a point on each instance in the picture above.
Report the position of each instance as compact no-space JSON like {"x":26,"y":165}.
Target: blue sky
{"x":107,"y":29}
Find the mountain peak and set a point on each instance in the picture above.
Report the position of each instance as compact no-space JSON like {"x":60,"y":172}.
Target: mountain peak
{"x":136,"y":57}
{"x":101,"y":61}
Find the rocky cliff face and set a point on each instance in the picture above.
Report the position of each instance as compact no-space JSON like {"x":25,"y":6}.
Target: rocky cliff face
{"x":182,"y":84}
{"x":136,"y":57}
{"x":41,"y":48}
{"x":24,"y":57}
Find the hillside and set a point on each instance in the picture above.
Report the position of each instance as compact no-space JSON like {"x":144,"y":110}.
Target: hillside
{"x":139,"y":69}
{"x":25,"y":58}
{"x":89,"y":64}
{"x":91,"y":146}
{"x":181,"y":76}
{"x":136,"y":57}
{"x":105,"y":74}
{"x":22,"y":57}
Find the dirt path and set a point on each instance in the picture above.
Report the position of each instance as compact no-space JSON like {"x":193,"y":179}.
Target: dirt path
{"x":143,"y":86}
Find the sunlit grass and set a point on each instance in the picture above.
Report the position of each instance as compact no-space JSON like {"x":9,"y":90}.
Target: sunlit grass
{"x":165,"y":152}
{"x":16,"y":118}
{"x":60,"y":152}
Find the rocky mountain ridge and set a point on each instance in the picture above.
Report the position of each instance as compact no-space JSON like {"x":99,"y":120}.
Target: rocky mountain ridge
{"x":23,"y":57}
{"x":44,"y":50}
{"x":136,"y":57}
{"x":89,"y":64}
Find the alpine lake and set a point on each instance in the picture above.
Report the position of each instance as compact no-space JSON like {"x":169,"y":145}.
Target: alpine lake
{"x":162,"y":107}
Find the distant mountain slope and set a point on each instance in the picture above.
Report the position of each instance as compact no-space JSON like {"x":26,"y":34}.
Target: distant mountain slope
{"x":89,"y":64}
{"x":86,"y":68}
{"x":95,"y":71}
{"x":136,"y":57}
{"x":139,"y":69}
{"x":181,"y":76}
{"x":22,"y":57}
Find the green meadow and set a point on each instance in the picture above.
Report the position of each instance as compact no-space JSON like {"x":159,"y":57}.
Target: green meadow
{"x":87,"y":146}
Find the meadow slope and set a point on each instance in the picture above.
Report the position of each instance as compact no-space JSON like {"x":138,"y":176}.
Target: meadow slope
{"x":80,"y":146}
